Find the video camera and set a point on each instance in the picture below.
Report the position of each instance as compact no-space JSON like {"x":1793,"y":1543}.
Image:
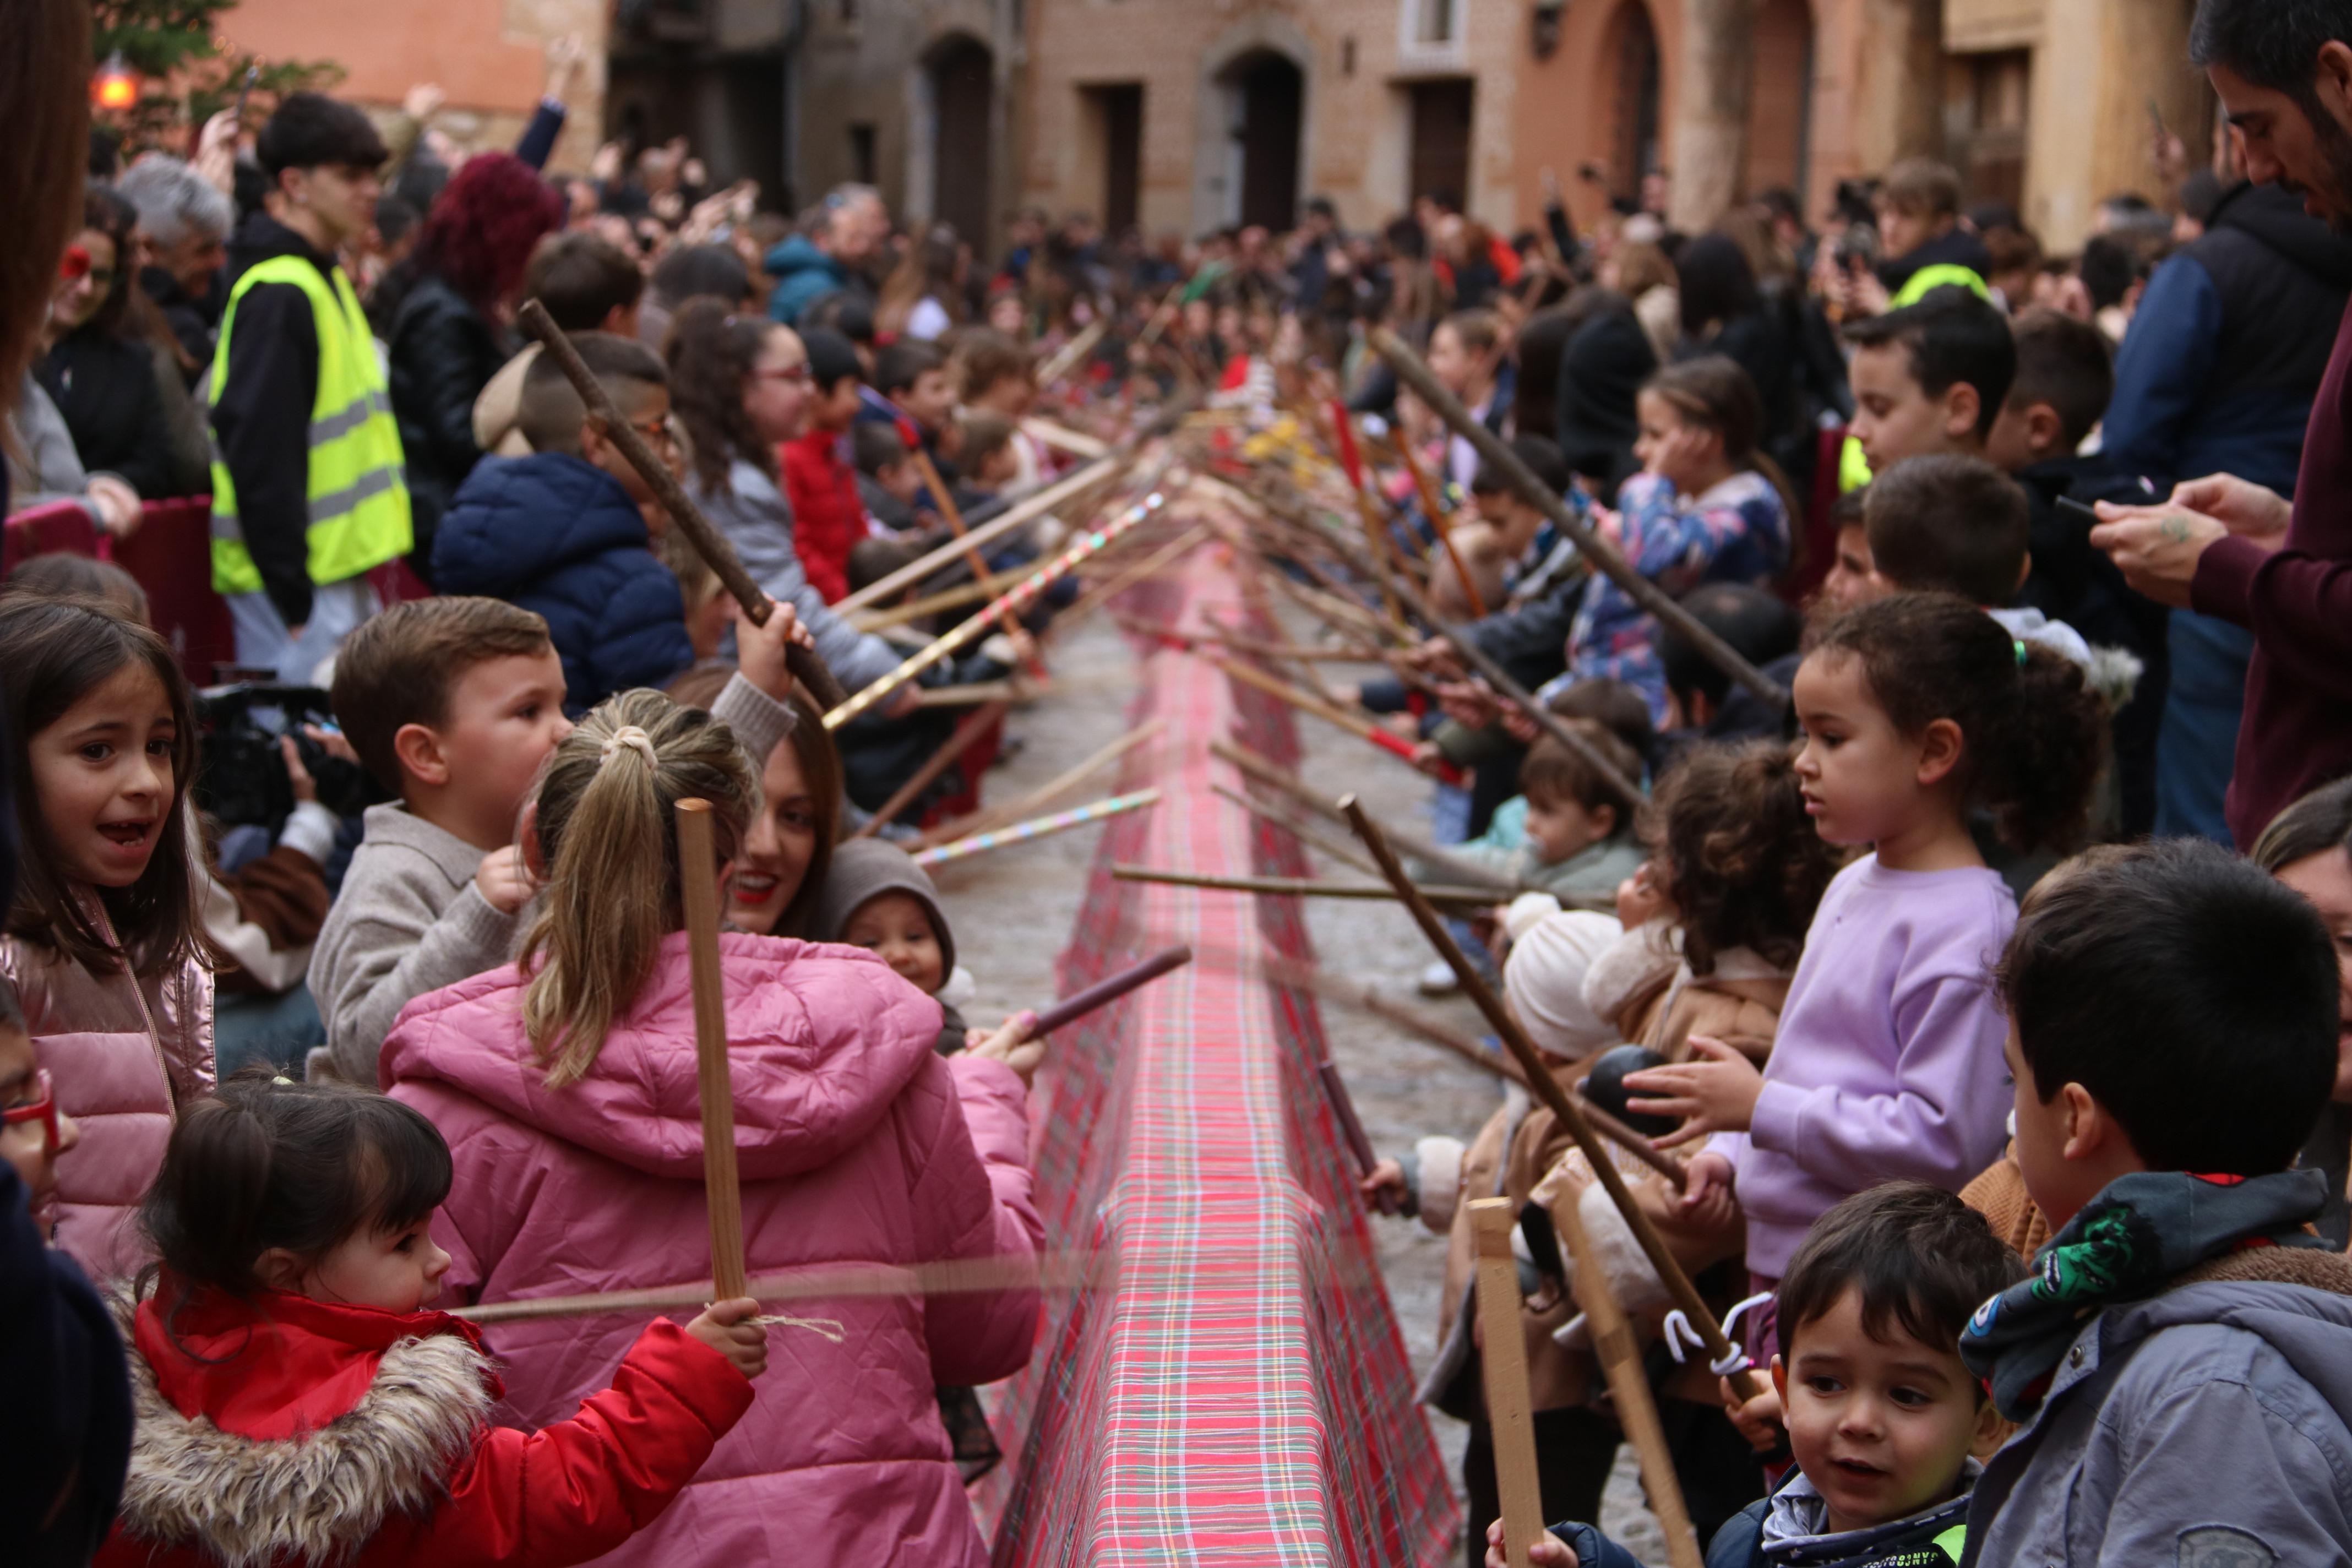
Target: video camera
{"x":241,"y":777}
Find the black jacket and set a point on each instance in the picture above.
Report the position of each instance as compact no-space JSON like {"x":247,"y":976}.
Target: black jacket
{"x":1601,"y":374}
{"x":104,"y":387}
{"x":261,"y":417}
{"x":194,"y":321}
{"x":66,"y":1442}
{"x":1956,"y":247}
{"x":443,"y":354}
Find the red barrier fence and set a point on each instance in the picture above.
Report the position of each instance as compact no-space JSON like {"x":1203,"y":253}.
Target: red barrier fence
{"x":1235,"y":1390}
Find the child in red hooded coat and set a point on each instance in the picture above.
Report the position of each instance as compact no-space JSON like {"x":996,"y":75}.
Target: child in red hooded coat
{"x":298,"y":1405}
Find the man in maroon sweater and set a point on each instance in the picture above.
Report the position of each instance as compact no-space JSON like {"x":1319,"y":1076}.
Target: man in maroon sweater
{"x":2228,"y":548}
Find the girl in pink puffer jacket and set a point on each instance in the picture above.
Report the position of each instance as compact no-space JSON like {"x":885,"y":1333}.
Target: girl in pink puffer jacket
{"x":103,"y":943}
{"x":565,"y":1085}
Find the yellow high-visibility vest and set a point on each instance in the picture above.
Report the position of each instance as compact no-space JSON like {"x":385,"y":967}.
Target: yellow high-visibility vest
{"x":358,"y":489}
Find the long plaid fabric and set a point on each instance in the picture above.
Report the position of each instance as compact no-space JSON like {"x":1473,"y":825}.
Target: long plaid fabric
{"x":1233,"y":1389}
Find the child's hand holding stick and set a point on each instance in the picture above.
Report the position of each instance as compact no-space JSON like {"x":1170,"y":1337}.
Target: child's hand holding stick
{"x":733,"y":1328}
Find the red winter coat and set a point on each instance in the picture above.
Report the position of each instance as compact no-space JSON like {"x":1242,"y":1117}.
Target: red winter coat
{"x":292,"y":1432}
{"x":828,"y":520}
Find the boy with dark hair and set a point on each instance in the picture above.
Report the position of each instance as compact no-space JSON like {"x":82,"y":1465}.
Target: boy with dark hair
{"x":827,"y":517}
{"x":1703,"y":704}
{"x":568,"y":530}
{"x":588,"y":285}
{"x":309,"y":486}
{"x":453,"y":702}
{"x":1947,"y":524}
{"x":887,"y":483}
{"x":1929,"y":378}
{"x":1578,"y":833}
{"x":2181,"y":1354}
{"x":1884,"y":1419}
{"x":1536,"y":555}
{"x":2065,"y":379}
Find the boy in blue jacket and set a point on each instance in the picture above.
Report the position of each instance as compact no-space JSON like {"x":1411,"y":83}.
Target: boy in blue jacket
{"x":1884,"y":1419}
{"x":568,"y":531}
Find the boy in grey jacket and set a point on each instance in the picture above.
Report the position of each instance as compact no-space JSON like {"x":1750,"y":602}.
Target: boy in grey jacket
{"x":2183,"y":1351}
{"x":454,"y":702}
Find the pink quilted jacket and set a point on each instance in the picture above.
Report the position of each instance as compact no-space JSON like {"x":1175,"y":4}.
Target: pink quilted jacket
{"x":855,"y":1143}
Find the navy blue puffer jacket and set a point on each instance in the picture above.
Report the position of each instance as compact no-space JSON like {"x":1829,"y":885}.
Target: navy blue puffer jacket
{"x":560,"y":536}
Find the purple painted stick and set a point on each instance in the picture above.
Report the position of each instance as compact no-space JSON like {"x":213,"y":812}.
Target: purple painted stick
{"x":1102,"y":991}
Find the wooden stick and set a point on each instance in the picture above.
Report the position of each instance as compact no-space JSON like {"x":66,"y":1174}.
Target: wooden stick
{"x":988,"y":587}
{"x":1054,"y":788}
{"x":1629,"y":1385}
{"x":821,"y":1281}
{"x":1084,"y":604}
{"x":1548,"y":1090}
{"x":1413,"y":843}
{"x":1351,"y":1131}
{"x":970,"y":729}
{"x":1010,"y":603}
{"x":1299,"y":830}
{"x":1364,"y":998}
{"x":1603,"y":555}
{"x":1026,"y":510}
{"x":1504,"y":1357}
{"x":1442,"y":525}
{"x":1297,"y":887}
{"x":973,"y":695}
{"x":807,"y":667}
{"x":948,"y":509}
{"x":1363,"y":728}
{"x":1109,"y":989}
{"x":1070,"y":353}
{"x":697,"y":862}
{"x":1376,"y":533}
{"x":1075,"y":442}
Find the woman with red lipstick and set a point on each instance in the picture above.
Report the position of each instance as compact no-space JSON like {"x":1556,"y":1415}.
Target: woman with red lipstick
{"x":788,"y":844}
{"x":103,"y":941}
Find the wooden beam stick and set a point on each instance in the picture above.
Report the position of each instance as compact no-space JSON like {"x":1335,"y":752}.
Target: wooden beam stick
{"x":1026,"y":510}
{"x":1051,"y":789}
{"x":1376,"y":531}
{"x":1413,"y":843}
{"x":1546,"y":1088}
{"x":1442,"y":525}
{"x":975,"y":695}
{"x":1351,"y":1131}
{"x":1061,"y":437}
{"x":1298,"y":887}
{"x":1014,"y":600}
{"x":953,"y":514}
{"x":1070,"y":353}
{"x":807,"y":667}
{"x":1510,"y":1413}
{"x":968,"y":729}
{"x":996,"y":582}
{"x":815,"y":1282}
{"x":1413,"y":1021}
{"x":1363,"y":728}
{"x":1629,"y":1385}
{"x":697,"y":862}
{"x":1604,"y":556}
{"x":1298,"y":830}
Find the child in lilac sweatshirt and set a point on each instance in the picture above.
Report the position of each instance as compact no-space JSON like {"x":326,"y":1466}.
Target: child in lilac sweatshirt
{"x":1916,"y":709}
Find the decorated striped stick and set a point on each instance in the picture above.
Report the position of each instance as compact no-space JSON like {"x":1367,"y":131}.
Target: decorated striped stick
{"x":1019,"y":597}
{"x":1039,"y":827}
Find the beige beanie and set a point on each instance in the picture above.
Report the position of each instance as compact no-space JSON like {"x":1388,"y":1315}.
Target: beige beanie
{"x":1544,"y":980}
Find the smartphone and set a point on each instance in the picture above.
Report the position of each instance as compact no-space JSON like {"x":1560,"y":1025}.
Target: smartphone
{"x":252,"y":75}
{"x":2069,"y":508}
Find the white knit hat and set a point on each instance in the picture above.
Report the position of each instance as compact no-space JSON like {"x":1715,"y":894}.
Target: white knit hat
{"x":1544,"y":979}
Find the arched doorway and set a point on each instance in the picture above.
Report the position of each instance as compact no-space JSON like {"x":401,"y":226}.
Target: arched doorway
{"x":962,"y":81}
{"x":1635,"y":149}
{"x":1266,"y":97}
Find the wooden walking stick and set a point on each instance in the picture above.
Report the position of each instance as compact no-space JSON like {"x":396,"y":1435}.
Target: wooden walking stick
{"x":1557,"y":1099}
{"x":697,"y":861}
{"x":1603,"y":555}
{"x":1434,"y":504}
{"x":807,"y":665}
{"x":1629,"y":1385}
{"x":973,"y":725}
{"x":1376,"y":538}
{"x":949,"y":511}
{"x":1510,"y":1414}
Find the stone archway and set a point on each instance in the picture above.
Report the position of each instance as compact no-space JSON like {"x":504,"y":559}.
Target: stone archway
{"x":1253,"y":128}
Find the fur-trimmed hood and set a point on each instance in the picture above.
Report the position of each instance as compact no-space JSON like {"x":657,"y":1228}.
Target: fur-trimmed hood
{"x":317,"y":1496}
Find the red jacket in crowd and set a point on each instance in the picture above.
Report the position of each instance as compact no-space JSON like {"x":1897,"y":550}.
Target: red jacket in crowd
{"x":828,"y":520}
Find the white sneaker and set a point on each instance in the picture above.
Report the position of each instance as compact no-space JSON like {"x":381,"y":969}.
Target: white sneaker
{"x":1438,"y":979}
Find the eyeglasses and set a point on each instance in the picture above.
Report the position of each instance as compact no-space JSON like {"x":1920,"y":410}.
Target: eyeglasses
{"x":796,"y":376}
{"x":43,"y":1110}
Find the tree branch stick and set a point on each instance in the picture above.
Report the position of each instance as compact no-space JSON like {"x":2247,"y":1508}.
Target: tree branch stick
{"x":1546,"y":1088}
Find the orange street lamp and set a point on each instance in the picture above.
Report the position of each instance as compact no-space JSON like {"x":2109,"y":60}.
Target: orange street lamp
{"x":115,"y":86}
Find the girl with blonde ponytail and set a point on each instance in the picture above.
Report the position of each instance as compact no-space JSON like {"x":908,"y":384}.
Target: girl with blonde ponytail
{"x":565,"y":1084}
